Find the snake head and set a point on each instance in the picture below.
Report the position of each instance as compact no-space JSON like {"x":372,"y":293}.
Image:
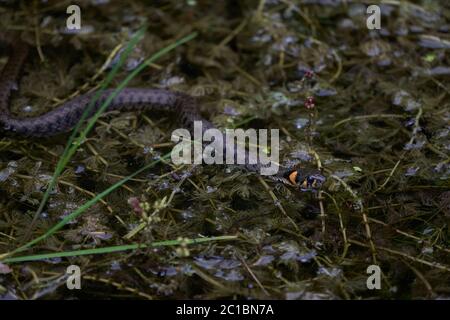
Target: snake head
{"x":305,"y":180}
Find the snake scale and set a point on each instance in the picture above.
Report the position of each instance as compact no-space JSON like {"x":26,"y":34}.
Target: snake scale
{"x":66,"y":116}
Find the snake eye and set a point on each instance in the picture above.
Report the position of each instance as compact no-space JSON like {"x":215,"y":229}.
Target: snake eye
{"x":315,"y":181}
{"x":293,"y":177}
{"x":308,"y":183}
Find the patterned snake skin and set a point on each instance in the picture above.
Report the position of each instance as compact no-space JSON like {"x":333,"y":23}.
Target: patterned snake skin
{"x":66,"y":116}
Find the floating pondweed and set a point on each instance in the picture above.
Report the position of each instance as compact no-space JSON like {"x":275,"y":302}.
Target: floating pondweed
{"x":366,"y":108}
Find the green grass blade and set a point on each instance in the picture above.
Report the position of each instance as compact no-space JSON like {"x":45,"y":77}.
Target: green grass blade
{"x":64,"y":158}
{"x":114,"y":249}
{"x":83,"y":208}
{"x":73,"y":147}
{"x":121,"y":86}
{"x":124,"y":83}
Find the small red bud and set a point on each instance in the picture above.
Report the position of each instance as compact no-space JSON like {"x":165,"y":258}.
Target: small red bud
{"x":309,"y":74}
{"x":310,"y":102}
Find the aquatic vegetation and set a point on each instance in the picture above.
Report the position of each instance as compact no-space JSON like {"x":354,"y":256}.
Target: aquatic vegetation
{"x":371,"y":109}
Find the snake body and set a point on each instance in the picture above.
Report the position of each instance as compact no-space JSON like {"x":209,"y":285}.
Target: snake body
{"x":66,"y":116}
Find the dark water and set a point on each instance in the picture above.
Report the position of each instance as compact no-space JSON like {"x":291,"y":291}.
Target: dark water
{"x":369,"y":107}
